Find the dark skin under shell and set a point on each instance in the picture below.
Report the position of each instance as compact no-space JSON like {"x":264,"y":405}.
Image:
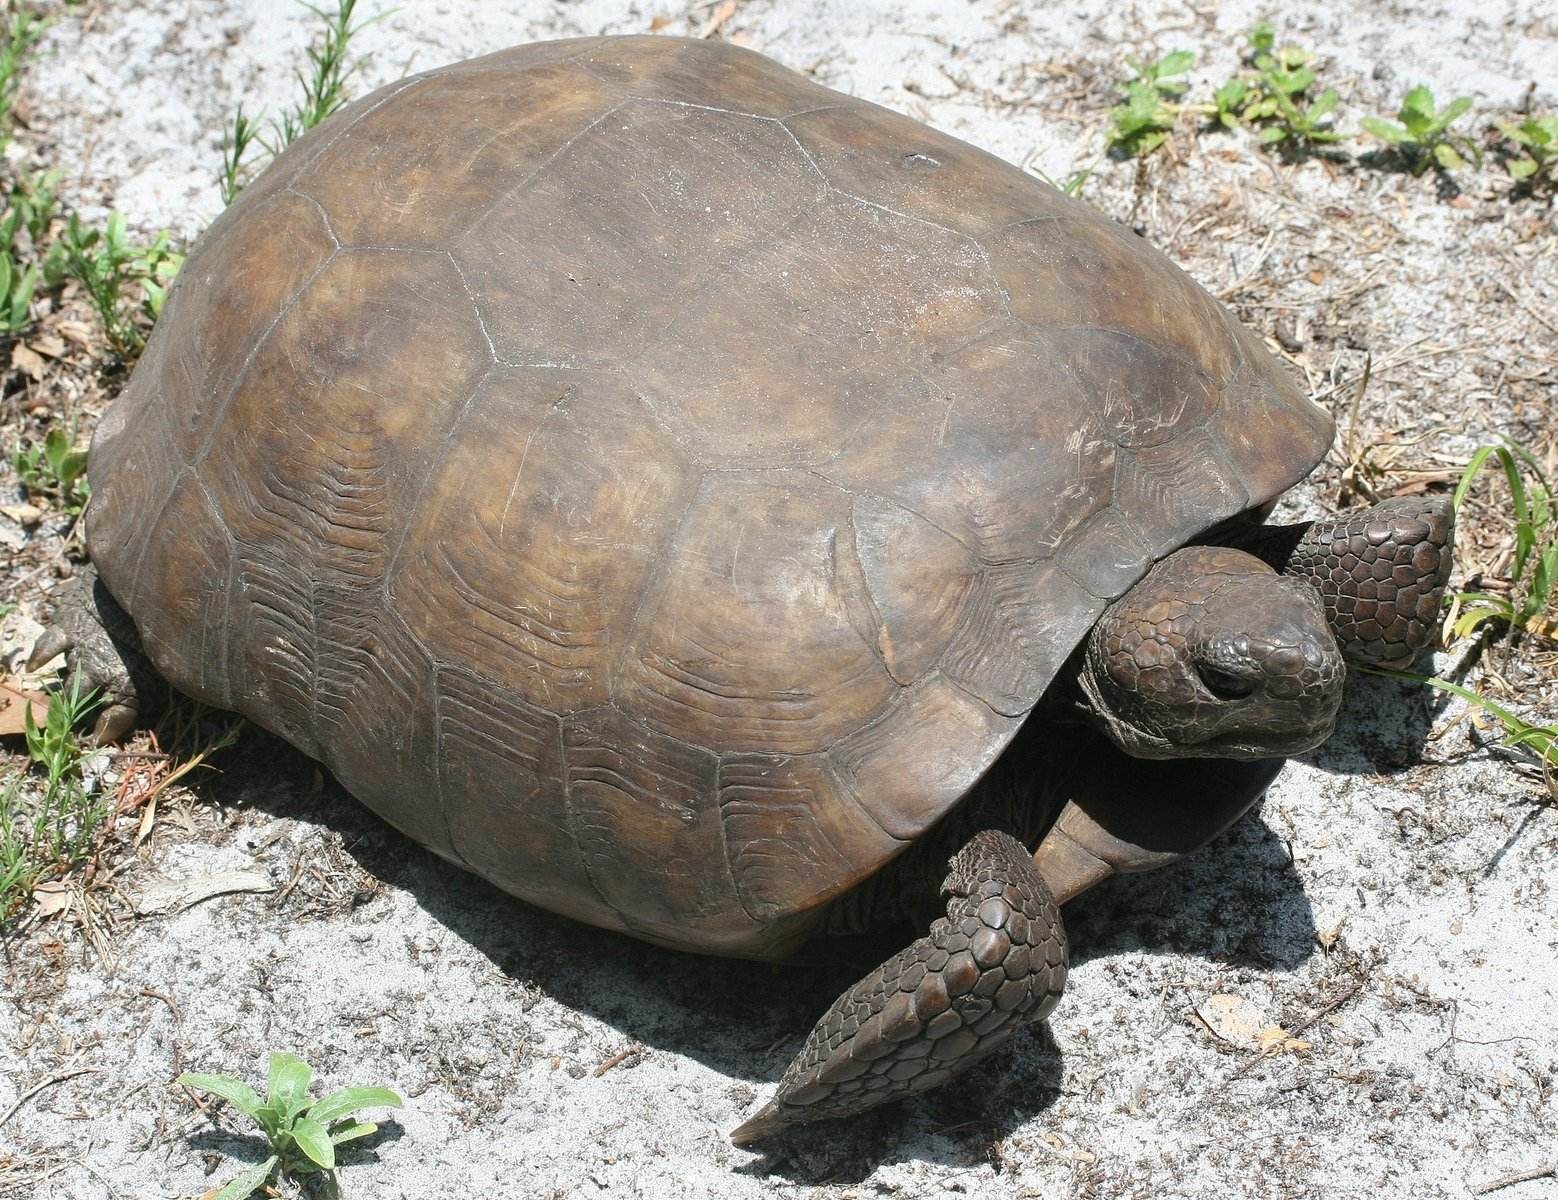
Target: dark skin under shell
{"x":667,"y":495}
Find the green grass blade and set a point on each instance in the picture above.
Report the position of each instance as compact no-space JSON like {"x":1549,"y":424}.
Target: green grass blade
{"x":1518,"y":732}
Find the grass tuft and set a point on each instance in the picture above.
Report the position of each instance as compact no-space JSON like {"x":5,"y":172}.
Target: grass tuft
{"x":51,"y":828}
{"x":323,"y":87}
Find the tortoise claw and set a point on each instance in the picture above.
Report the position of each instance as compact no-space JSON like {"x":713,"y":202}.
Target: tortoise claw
{"x":51,"y":643}
{"x":113,"y":723}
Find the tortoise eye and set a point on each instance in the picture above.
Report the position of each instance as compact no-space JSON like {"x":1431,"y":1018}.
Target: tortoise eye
{"x":1225,"y":685}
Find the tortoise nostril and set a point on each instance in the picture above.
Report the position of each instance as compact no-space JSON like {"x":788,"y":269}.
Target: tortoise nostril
{"x":1224,"y":684}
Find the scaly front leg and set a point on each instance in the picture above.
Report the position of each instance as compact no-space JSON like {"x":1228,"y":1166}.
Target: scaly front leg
{"x":1380,"y":571}
{"x":995,"y":962}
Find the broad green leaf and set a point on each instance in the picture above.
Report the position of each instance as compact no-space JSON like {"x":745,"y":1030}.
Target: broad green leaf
{"x":288,"y":1082}
{"x":249,"y":1182}
{"x":350,"y":1133}
{"x":1176,"y":62}
{"x":271,"y":1119}
{"x":1452,"y":112}
{"x":1324,"y":105}
{"x":1522,"y":168}
{"x":348,"y":1100}
{"x":1446,"y":157}
{"x":1386,"y":130}
{"x":237,"y":1093}
{"x":72,"y":466}
{"x":314,"y":1140}
{"x":1273,"y":133}
{"x":1419,"y":102}
{"x":6,"y":270}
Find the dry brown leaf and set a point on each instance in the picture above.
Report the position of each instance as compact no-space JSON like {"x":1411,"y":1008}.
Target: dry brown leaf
{"x":1276,"y":1040}
{"x":1328,"y":937}
{"x":1069,"y":1153}
{"x":159,"y":896}
{"x":13,"y":705}
{"x":723,"y":13}
{"x":28,"y":361}
{"x":52,"y":898}
{"x":51,"y":345}
{"x":25,"y":515}
{"x":76,"y":331}
{"x":658,"y":23}
{"x":1233,"y":1019}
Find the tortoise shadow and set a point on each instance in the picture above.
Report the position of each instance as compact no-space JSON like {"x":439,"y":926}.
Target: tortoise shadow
{"x":1238,"y":899}
{"x":1382,"y":728}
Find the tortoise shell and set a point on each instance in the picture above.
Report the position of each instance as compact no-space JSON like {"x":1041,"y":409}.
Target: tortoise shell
{"x":657,"y":482}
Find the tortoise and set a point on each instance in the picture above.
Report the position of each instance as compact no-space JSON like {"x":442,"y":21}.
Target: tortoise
{"x":715,"y":508}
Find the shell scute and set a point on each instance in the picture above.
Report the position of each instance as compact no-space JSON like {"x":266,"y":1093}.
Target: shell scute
{"x":757,"y":553}
{"x":793,"y":833}
{"x":543,"y":522}
{"x":658,"y":231}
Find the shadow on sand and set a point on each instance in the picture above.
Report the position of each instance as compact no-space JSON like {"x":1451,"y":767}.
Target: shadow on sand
{"x":1237,"y":900}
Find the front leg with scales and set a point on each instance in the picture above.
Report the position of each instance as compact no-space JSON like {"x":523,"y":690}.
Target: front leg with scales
{"x":995,"y":962}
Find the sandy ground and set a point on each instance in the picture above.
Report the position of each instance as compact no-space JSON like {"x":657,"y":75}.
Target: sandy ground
{"x":1389,"y":910}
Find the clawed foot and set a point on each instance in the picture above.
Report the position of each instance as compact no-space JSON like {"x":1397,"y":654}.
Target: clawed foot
{"x":996,"y":961}
{"x":102,"y":654}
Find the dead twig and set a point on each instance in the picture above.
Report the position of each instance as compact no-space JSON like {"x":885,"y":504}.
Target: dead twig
{"x":718,"y":18}
{"x":43,"y":1085}
{"x":617,"y":1059}
{"x":1504,"y":1181}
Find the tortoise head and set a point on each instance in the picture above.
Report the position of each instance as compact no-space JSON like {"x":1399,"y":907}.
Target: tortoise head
{"x":1213,"y":655}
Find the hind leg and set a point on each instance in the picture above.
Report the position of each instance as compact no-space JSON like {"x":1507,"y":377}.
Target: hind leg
{"x":102,"y":651}
{"x":1380,"y":571}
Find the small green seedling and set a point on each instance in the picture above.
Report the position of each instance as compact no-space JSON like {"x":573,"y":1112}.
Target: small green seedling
{"x":53,"y":829}
{"x":303,"y":1133}
{"x":1277,"y":98}
{"x":1537,"y":153}
{"x":112,"y":271}
{"x":324,"y":88}
{"x":1262,"y":37}
{"x":20,"y":35}
{"x":1229,"y":102}
{"x":1281,"y":102}
{"x":1533,"y":569}
{"x":324,"y":83}
{"x":236,"y":144}
{"x":1421,"y":133}
{"x":1145,"y":120}
{"x":56,"y":470}
{"x":17,"y":285}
